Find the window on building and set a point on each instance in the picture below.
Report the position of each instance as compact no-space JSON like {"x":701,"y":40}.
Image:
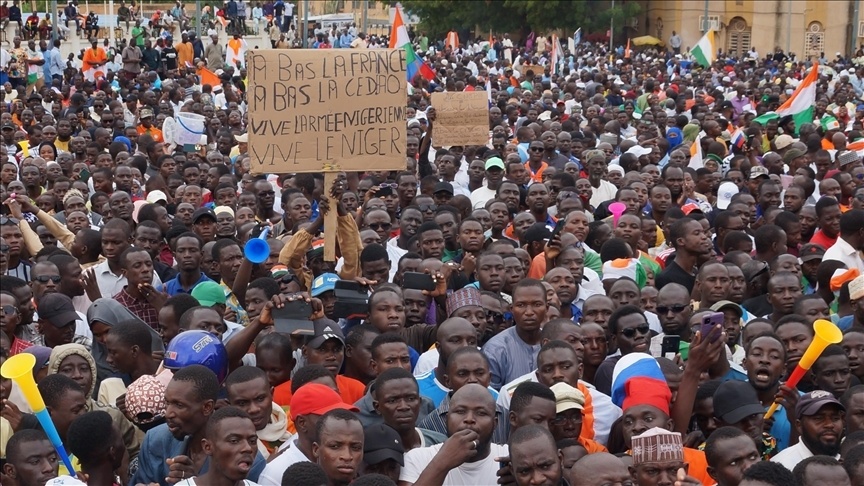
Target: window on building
{"x":738,"y":37}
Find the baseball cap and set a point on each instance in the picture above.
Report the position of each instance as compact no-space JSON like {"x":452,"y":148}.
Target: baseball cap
{"x":758,"y":171}
{"x":567,"y":397}
{"x":325,"y":329}
{"x":316,"y":399}
{"x":727,"y":304}
{"x":783,"y":141}
{"x":690,"y":207}
{"x":11,"y":126}
{"x":725,"y":193}
{"x":324,"y":283}
{"x":443,"y":187}
{"x":203,"y":213}
{"x":495,"y":162}
{"x":145,"y":113}
{"x":223,"y":209}
{"x":57,"y":309}
{"x":811,"y":403}
{"x":794,"y":153}
{"x":811,"y":251}
{"x":381,"y":442}
{"x":42,"y":355}
{"x":537,"y":232}
{"x":736,"y":400}
{"x":638,"y":150}
{"x":154,"y":197}
{"x":242,"y":138}
{"x":209,"y":294}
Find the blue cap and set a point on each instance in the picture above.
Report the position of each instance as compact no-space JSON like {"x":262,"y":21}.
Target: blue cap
{"x":324,"y":283}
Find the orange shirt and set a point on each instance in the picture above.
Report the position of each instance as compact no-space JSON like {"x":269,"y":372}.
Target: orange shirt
{"x":153,"y":132}
{"x":591,"y":446}
{"x":350,"y":390}
{"x":536,"y":176}
{"x":92,"y":57}
{"x":185,"y":54}
{"x":827,"y":144}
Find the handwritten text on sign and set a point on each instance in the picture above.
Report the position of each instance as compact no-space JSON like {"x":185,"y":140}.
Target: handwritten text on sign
{"x":462,"y":118}
{"x":312,"y":107}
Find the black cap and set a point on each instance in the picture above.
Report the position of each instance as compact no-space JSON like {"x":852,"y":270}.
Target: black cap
{"x":325,"y":329}
{"x":57,"y":309}
{"x":736,"y":400}
{"x":537,"y":232}
{"x":203,"y":212}
{"x":443,"y":187}
{"x":380,"y":443}
{"x":811,"y":403}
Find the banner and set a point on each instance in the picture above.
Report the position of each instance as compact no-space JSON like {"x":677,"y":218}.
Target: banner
{"x":462,"y":118}
{"x":310,"y":109}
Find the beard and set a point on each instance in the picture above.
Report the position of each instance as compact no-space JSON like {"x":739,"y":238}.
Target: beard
{"x":821,"y":449}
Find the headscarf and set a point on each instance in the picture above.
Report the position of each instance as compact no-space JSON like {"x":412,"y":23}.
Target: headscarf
{"x":110,"y":312}
{"x":675,"y":137}
{"x":59,"y":353}
{"x":691,"y":132}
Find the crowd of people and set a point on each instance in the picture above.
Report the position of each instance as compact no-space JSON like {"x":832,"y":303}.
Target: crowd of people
{"x":612,"y":290}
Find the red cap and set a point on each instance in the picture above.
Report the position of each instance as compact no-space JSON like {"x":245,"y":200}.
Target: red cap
{"x":646,"y":391}
{"x":690,"y":207}
{"x":316,"y":399}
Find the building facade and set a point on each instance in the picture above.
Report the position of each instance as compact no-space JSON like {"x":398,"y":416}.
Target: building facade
{"x":804,"y":27}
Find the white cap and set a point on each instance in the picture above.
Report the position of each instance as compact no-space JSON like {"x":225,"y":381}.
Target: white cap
{"x":725,"y":193}
{"x":856,"y":288}
{"x":615,"y":168}
{"x":155,"y":196}
{"x":638,"y":150}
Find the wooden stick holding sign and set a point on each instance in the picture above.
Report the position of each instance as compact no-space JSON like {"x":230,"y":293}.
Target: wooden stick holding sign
{"x":327,"y":111}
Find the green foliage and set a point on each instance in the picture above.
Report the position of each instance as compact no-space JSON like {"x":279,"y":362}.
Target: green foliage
{"x":543,"y":17}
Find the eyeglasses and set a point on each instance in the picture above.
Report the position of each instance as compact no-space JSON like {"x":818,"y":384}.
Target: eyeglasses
{"x":677,"y":309}
{"x":630,"y":332}
{"x":4,"y":221}
{"x":427,"y":208}
{"x":391,"y":185}
{"x":378,"y":226}
{"x":9,"y":310}
{"x":46,"y":278}
{"x":560,"y":419}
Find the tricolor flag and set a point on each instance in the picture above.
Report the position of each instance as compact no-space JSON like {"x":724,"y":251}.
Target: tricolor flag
{"x":577,"y":36}
{"x":557,"y":54}
{"x":705,"y":50}
{"x":696,"y":153}
{"x":738,"y":139}
{"x":800,"y":104}
{"x":399,"y":39}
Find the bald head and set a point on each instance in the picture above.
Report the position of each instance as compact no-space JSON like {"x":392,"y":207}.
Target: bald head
{"x":453,"y":325}
{"x":674,"y":291}
{"x":475,"y":395}
{"x":598,"y":469}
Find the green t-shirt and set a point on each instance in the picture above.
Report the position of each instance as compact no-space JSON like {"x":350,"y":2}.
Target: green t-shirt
{"x":138,"y":35}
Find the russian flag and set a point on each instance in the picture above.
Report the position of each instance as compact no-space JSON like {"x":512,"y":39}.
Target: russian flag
{"x":738,"y":139}
{"x":399,"y":39}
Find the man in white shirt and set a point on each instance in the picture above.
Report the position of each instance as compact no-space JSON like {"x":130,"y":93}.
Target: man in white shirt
{"x":850,"y":242}
{"x":308,"y":403}
{"x":601,"y":189}
{"x":820,"y":421}
{"x":494,"y":175}
{"x":468,"y":457}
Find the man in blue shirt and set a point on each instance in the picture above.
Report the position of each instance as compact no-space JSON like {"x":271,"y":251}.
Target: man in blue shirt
{"x":174,"y":449}
{"x":187,"y":251}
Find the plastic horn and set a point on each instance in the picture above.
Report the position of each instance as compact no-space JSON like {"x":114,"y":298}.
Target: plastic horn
{"x":617,"y":209}
{"x":257,"y":250}
{"x":825,"y":333}
{"x":19,"y":368}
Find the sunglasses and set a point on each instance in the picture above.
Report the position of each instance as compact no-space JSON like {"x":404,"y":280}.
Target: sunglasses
{"x":4,"y":221}
{"x":536,"y":149}
{"x":630,"y":332}
{"x":391,"y":185}
{"x":677,"y":309}
{"x":9,"y":310}
{"x":427,"y":208}
{"x":288,"y":278}
{"x":495,"y":317}
{"x":378,"y":226}
{"x":46,"y":278}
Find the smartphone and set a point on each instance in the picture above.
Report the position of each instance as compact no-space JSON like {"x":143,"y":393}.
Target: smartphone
{"x":384,"y":191}
{"x":84,"y":175}
{"x":670,"y":346}
{"x":711,"y":321}
{"x":294,"y":318}
{"x":352,"y":300}
{"x":418,"y":281}
{"x":558,"y":227}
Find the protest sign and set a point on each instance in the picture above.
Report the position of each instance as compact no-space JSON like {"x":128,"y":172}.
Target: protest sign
{"x":534,"y":68}
{"x":462,"y":118}
{"x":312,"y":109}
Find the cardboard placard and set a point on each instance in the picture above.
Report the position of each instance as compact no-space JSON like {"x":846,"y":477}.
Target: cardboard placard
{"x":462,"y":118}
{"x":316,"y":108}
{"x":535,"y":68}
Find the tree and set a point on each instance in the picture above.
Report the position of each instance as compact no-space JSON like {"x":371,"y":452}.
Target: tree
{"x":441,"y":16}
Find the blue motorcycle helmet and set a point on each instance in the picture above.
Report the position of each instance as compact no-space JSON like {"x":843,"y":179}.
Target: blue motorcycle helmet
{"x":197,"y":347}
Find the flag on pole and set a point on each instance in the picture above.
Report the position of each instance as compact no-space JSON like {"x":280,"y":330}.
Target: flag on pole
{"x":627,"y":49}
{"x":696,"y":153}
{"x":577,"y":36}
{"x":489,"y":91}
{"x":557,"y":54}
{"x":399,"y":40}
{"x":208,"y":77}
{"x":738,"y":139}
{"x":704,"y":51}
{"x":801,"y":104}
